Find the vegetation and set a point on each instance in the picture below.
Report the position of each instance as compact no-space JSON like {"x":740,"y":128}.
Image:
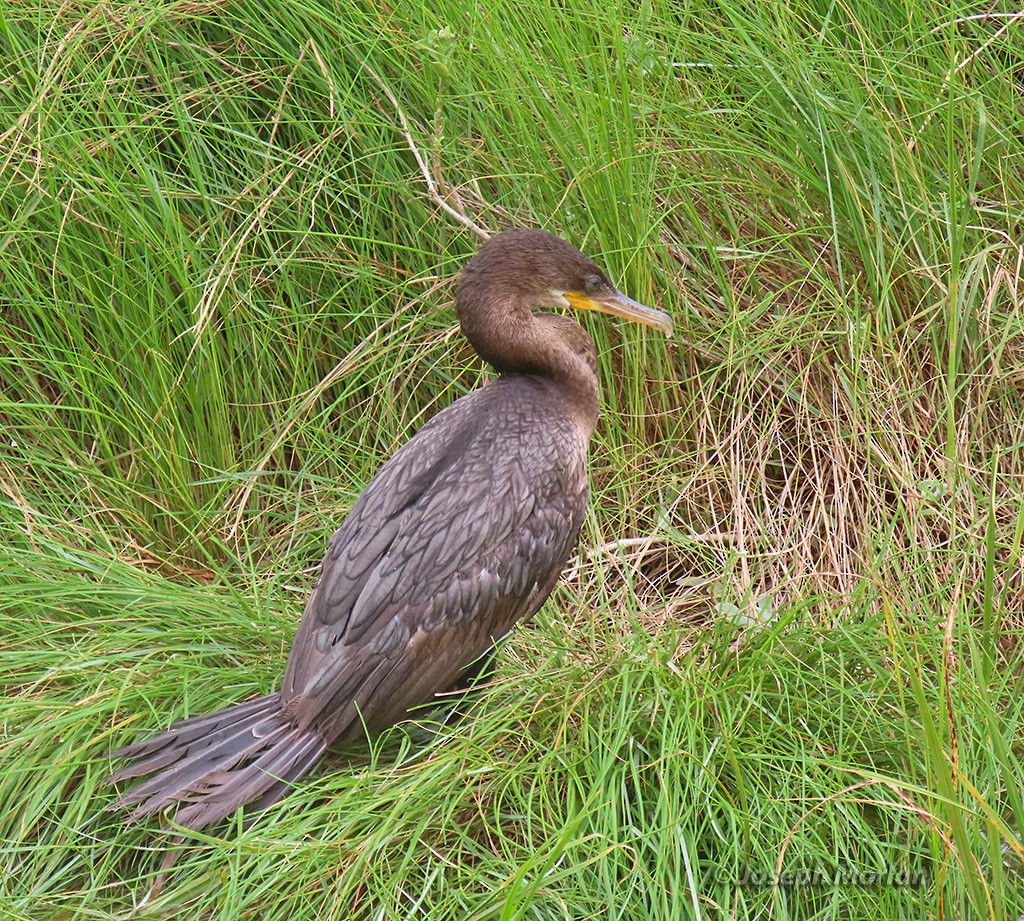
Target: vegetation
{"x":790,"y":647}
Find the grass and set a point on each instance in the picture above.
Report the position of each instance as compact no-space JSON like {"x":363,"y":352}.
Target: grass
{"x":790,"y":647}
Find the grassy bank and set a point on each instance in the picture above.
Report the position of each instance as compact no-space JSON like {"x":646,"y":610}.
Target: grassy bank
{"x":791,"y":644}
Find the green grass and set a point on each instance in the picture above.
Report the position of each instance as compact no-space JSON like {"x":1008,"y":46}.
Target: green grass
{"x":792,"y":641}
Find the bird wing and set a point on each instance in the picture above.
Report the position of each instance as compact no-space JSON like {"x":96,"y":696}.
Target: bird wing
{"x":460,"y":535}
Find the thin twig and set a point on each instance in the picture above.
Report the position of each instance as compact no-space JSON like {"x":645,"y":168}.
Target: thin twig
{"x":912,"y":143}
{"x":432,"y":186}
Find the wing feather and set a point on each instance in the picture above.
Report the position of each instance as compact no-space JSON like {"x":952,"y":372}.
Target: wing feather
{"x":460,"y":535}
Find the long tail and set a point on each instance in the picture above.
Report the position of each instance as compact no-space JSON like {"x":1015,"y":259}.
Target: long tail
{"x":248,"y":754}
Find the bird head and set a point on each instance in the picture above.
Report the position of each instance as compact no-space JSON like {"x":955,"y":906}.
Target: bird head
{"x":527,"y":269}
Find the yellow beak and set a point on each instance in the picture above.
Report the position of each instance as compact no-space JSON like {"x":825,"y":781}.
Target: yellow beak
{"x":617,"y":304}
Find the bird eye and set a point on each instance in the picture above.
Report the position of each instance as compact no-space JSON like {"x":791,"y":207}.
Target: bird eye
{"x":592,"y":283}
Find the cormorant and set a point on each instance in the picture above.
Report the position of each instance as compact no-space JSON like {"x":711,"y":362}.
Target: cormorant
{"x":462,"y":534}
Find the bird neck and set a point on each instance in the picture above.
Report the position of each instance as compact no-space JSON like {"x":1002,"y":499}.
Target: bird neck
{"x":544,"y":345}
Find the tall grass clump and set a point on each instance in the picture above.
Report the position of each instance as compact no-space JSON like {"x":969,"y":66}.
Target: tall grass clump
{"x":781,"y":678}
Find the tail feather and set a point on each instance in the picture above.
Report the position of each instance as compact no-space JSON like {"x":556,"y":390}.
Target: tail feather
{"x":195,"y":727}
{"x":195,"y":769}
{"x":260,"y":784}
{"x":205,"y":737}
{"x":250,"y":753}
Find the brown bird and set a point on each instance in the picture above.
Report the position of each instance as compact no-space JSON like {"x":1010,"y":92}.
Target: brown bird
{"x":462,"y":534}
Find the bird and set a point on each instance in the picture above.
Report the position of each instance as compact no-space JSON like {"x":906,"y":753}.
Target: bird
{"x":461,"y":534}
